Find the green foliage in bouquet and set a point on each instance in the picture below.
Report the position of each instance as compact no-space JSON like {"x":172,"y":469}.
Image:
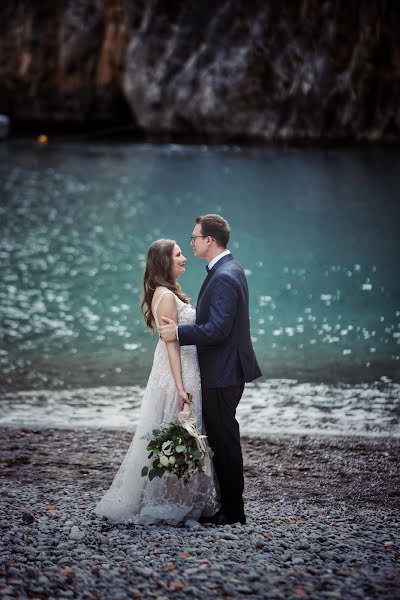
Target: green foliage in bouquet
{"x":174,"y":451}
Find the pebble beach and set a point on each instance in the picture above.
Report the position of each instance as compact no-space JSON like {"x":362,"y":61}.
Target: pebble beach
{"x":323,"y":520}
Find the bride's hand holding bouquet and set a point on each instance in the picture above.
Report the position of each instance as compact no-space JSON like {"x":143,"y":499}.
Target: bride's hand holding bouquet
{"x":178,"y":449}
{"x":183,"y":398}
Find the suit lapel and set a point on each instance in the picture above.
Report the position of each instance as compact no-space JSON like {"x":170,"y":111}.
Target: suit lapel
{"x":207,"y":279}
{"x":211,"y":273}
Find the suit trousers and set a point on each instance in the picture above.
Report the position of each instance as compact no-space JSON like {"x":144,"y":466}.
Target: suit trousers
{"x":222,"y":428}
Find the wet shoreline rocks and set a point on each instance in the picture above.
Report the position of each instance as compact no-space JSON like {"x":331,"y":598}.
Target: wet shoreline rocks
{"x":323,"y":522}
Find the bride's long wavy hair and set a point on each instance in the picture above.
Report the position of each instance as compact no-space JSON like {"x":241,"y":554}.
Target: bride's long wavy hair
{"x":159,"y":272}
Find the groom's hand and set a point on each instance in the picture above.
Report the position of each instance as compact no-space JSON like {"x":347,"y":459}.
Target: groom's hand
{"x":167,"y":332}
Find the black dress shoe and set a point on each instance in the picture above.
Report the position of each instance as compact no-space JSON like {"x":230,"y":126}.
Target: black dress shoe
{"x":212,"y":518}
{"x":221,"y":518}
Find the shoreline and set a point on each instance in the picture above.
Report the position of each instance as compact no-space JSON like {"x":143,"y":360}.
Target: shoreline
{"x":244,"y":433}
{"x":323,"y":522}
{"x":277,"y":406}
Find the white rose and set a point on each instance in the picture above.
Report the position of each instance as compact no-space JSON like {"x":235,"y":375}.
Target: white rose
{"x":164,"y":460}
{"x":172,"y":460}
{"x":167,"y":447}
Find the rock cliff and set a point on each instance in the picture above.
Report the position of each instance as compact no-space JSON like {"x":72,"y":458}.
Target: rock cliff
{"x":272,"y":69}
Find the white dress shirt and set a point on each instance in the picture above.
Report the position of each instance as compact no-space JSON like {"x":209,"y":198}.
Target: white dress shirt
{"x":217,"y":258}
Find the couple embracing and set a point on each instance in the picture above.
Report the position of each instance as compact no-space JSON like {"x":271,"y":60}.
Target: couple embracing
{"x":206,"y":352}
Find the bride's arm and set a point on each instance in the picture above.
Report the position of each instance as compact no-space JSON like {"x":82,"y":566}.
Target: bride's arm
{"x":167,"y":307}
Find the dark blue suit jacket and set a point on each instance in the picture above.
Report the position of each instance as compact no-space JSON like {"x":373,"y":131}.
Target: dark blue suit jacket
{"x":222,"y":329}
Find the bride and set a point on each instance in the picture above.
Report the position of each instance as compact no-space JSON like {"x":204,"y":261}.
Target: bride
{"x":175,"y":373}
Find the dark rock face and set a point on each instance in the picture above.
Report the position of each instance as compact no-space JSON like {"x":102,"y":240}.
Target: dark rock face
{"x":267,"y":69}
{"x":63,"y":61}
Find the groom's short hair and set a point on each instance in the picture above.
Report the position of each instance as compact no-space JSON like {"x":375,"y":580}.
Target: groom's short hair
{"x":216,"y":227}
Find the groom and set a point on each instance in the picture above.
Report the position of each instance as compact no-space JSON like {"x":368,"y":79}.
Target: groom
{"x":226,"y":357}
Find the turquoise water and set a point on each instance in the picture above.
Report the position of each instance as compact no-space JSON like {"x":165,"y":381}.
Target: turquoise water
{"x":315,"y":229}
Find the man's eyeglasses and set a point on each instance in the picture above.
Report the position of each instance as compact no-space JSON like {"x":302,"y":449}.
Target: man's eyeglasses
{"x":193,"y":238}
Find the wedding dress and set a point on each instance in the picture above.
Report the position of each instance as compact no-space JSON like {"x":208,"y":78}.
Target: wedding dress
{"x":133,"y":498}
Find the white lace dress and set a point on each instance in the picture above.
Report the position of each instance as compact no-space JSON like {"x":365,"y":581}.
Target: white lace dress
{"x":133,"y":498}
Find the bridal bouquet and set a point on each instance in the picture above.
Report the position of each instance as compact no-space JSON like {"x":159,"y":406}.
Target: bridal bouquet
{"x":178,"y":449}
